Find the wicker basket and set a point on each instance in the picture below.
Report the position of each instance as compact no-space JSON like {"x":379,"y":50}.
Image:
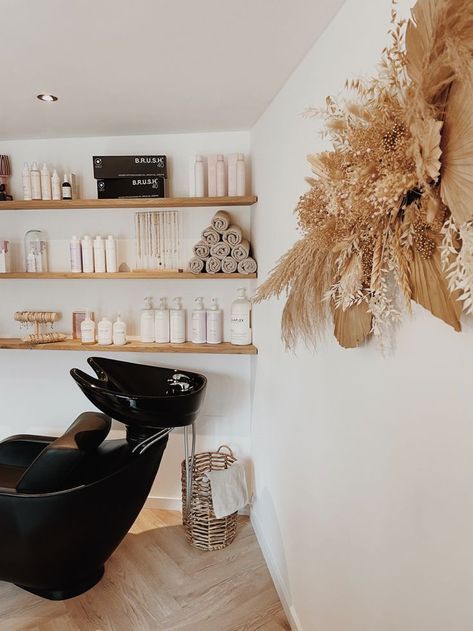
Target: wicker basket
{"x":203,"y":529}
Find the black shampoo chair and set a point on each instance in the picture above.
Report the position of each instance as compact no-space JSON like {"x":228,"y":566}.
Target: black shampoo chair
{"x":66,"y":503}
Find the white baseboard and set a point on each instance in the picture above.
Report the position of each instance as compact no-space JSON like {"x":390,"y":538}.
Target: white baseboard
{"x":175,"y":503}
{"x":164,"y":503}
{"x":276,"y":576}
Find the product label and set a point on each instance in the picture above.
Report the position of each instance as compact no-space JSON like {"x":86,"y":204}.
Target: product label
{"x":241,"y":328}
{"x":158,"y":160}
{"x":146,"y":182}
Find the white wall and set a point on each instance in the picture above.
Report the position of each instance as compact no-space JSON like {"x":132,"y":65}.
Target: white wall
{"x":36,"y":392}
{"x":364,"y":474}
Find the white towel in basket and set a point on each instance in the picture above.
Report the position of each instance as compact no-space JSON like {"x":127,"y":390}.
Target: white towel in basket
{"x":229,"y":489}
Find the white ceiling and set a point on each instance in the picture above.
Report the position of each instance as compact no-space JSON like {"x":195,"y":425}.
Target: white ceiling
{"x":148,"y":66}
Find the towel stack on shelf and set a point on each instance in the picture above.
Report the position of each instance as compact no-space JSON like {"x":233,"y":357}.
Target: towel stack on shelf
{"x":222,"y":248}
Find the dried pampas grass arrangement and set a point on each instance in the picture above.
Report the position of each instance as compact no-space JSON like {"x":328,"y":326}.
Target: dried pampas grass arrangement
{"x":388,"y":218}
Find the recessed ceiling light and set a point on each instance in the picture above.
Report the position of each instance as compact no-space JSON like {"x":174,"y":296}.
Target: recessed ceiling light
{"x":49,"y":98}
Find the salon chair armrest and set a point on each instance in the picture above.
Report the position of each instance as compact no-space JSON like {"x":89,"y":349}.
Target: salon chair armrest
{"x":22,"y":449}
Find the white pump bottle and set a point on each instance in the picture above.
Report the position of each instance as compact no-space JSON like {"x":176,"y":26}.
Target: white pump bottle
{"x":177,"y":317}
{"x":199,"y":323}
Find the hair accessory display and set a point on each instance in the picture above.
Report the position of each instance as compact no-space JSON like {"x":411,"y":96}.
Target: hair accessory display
{"x":158,"y":240}
{"x":39,"y":318}
{"x":44,"y":338}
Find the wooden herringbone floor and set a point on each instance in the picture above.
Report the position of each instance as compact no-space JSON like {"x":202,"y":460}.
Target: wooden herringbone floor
{"x":156,"y":582}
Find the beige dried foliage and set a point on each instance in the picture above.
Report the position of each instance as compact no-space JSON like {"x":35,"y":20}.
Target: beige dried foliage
{"x":401,"y":259}
{"x":352,"y":326}
{"x":305,"y":274}
{"x":439,"y":47}
{"x":430,"y":289}
{"x":457,"y":162}
{"x":401,"y":160}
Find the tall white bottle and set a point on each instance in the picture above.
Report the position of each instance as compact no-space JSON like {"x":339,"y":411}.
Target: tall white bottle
{"x":26,"y":178}
{"x":147,"y":321}
{"x":161,"y":323}
{"x":35,"y":181}
{"x":240,"y":333}
{"x":232,"y":160}
{"x":199,"y":323}
{"x":99,"y":254}
{"x":104,"y":332}
{"x":119,"y":332}
{"x":212,"y":175}
{"x":87,"y":329}
{"x":199,"y":177}
{"x":177,"y":320}
{"x":240,"y":175}
{"x":45,"y":182}
{"x":87,"y":255}
{"x":111,"y":254}
{"x":214,"y":323}
{"x":56,"y":190}
{"x":75,"y":255}
{"x":221,"y":188}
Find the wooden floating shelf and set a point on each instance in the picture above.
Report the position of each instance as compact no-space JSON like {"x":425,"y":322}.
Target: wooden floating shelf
{"x":133,"y":346}
{"x":142,"y":202}
{"x":124,"y":276}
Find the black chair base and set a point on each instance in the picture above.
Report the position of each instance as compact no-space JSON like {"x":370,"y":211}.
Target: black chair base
{"x":68,"y":592}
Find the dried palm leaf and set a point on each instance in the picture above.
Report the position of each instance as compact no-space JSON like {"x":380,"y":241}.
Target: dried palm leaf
{"x":352,"y":326}
{"x":457,"y":144}
{"x":430,"y":290}
{"x":420,"y":36}
{"x":429,"y":135}
{"x":439,"y":46}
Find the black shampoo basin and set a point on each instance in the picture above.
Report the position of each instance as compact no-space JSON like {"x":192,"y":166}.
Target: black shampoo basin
{"x":142,"y":396}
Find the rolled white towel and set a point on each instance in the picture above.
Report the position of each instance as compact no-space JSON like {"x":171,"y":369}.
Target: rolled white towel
{"x":196,"y":265}
{"x":221,"y":221}
{"x":241,"y":251}
{"x":229,"y":265}
{"x":220,"y":250}
{"x":202,"y":250}
{"x":233,"y":235}
{"x":247,"y":266}
{"x":213,"y":265}
{"x":210,"y":236}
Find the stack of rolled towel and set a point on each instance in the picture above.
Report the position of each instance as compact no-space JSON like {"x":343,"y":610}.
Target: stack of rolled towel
{"x":222,"y":248}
